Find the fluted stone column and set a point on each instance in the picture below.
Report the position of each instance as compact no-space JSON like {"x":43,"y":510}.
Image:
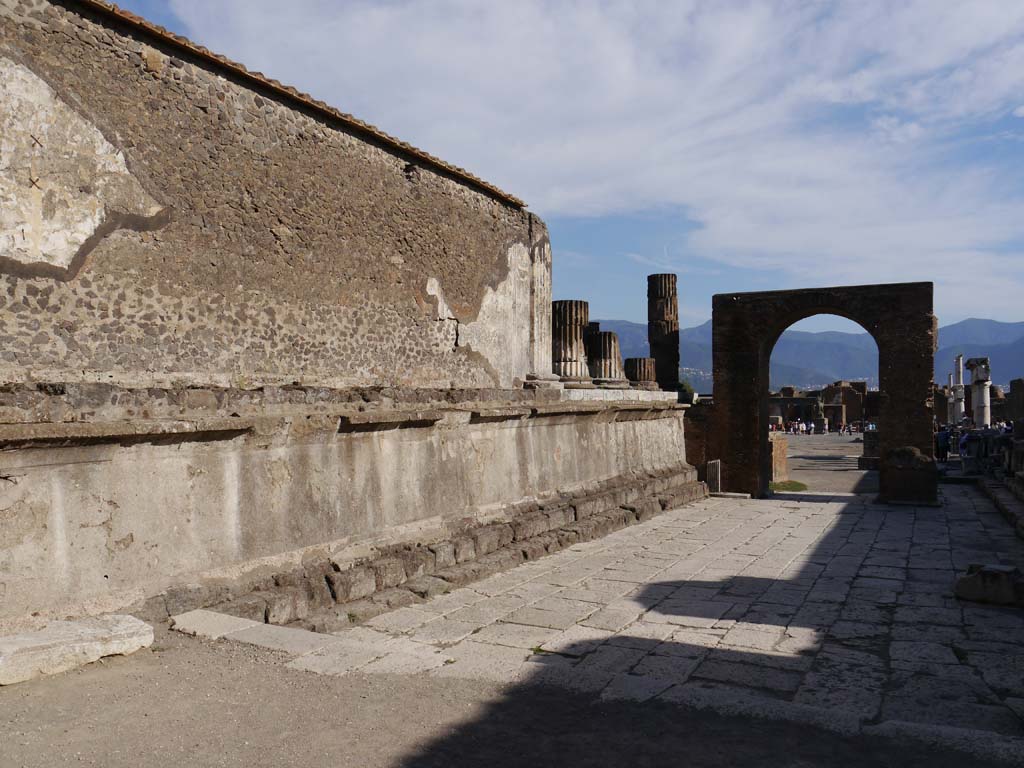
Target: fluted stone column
{"x":606,"y":360}
{"x":958,"y":389}
{"x":950,"y":407}
{"x":540,"y":375}
{"x":663,"y":328}
{"x":641,"y":372}
{"x":568,"y":351}
{"x":981,"y":385}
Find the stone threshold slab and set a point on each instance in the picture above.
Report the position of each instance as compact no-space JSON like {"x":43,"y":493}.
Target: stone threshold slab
{"x":64,"y":645}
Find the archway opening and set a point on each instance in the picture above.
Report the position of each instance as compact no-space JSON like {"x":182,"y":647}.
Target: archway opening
{"x":820,"y":413}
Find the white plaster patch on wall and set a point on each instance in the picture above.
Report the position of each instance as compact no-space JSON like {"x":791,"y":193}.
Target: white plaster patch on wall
{"x":60,"y":179}
{"x":501,"y":330}
{"x":434,"y":289}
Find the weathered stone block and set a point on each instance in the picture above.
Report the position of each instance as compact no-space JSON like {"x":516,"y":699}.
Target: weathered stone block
{"x":353,"y":584}
{"x":465,"y":549}
{"x":464,"y":573}
{"x":64,"y":645}
{"x":389,"y":573}
{"x":996,"y":584}
{"x":427,"y":586}
{"x":529,"y":526}
{"x":315,"y":585}
{"x":444,"y":554}
{"x":487,"y":539}
{"x":287,"y":604}
{"x":549,"y":541}
{"x":532,"y":549}
{"x":559,"y":517}
{"x":590,"y":506}
{"x":417,"y":561}
{"x":567,"y":536}
{"x":644,"y":510}
{"x":187,"y":597}
{"x":252,"y":607}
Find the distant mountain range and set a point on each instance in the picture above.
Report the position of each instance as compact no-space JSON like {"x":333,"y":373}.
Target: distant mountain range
{"x":812,"y":360}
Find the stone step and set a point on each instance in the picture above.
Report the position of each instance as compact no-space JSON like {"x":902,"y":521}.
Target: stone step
{"x":1006,"y":501}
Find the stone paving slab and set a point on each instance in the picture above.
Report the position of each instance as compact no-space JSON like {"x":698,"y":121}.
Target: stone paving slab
{"x":209,"y":625}
{"x":64,"y":645}
{"x":294,"y":642}
{"x":829,"y":610}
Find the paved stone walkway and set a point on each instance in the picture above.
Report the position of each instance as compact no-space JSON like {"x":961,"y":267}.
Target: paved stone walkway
{"x":829,"y":463}
{"x":831,"y":607}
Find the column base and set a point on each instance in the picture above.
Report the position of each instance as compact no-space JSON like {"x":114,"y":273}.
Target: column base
{"x":542,"y":384}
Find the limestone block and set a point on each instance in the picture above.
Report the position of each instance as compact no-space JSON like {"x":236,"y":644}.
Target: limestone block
{"x":294,"y":642}
{"x":252,"y":607}
{"x":465,"y":549}
{"x":417,"y":561}
{"x":353,"y":584}
{"x":444,"y":554}
{"x":208,"y":625}
{"x":998,"y":584}
{"x":64,"y":645}
{"x":529,"y":526}
{"x":490,"y":538}
{"x":427,"y":586}
{"x":390,"y":573}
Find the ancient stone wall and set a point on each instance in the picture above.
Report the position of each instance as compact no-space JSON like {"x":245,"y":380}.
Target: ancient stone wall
{"x":1015,"y":400}
{"x":239,"y":329}
{"x":698,"y":422}
{"x":98,"y":516}
{"x":167,"y":220}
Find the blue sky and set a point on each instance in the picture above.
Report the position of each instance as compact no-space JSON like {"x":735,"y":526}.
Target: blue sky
{"x":744,"y":144}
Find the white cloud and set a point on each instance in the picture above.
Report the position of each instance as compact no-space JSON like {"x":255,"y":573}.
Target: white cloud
{"x":829,"y":140}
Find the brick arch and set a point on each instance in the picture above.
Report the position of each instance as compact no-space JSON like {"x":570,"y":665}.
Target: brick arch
{"x":899,"y":317}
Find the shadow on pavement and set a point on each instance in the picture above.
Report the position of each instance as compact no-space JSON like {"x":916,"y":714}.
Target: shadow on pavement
{"x":818,"y":636}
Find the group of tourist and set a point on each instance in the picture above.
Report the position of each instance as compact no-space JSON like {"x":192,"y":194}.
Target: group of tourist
{"x":947,"y":435}
{"x":808,"y":428}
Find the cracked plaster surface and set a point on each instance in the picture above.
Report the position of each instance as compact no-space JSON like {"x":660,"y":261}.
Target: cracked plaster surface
{"x":63,"y":185}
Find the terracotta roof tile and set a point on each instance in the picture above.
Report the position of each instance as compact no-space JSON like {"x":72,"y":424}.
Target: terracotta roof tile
{"x":292,"y":94}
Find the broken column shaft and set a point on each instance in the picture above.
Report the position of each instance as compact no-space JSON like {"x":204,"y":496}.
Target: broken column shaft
{"x":641,"y":372}
{"x":663,"y":328}
{"x":605,"y":359}
{"x":568,"y":352}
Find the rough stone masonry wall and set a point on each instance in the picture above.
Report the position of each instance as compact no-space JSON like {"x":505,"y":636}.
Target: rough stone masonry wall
{"x":239,"y":335}
{"x":166,"y":223}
